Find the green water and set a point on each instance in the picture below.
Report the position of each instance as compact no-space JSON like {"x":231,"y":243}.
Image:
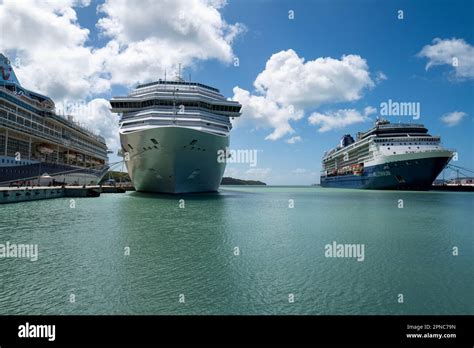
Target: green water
{"x":190,"y":251}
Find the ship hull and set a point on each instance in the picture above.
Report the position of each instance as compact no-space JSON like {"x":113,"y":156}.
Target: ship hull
{"x":410,"y":174}
{"x":179,"y":160}
{"x":60,"y":173}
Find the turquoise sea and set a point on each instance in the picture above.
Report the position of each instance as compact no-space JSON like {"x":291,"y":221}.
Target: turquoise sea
{"x":243,"y":250}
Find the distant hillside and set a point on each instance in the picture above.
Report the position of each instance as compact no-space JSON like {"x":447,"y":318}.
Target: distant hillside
{"x":233,"y":181}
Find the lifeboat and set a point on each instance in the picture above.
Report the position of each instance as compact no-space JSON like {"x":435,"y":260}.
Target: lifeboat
{"x":45,"y":149}
{"x":358,"y":169}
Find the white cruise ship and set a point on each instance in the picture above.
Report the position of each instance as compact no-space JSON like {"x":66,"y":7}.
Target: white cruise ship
{"x":38,"y":146}
{"x":388,"y":156}
{"x":171,"y":132}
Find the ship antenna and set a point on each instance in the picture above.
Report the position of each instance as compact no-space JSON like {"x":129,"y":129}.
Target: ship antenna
{"x":165,"y":75}
{"x":179,"y":71}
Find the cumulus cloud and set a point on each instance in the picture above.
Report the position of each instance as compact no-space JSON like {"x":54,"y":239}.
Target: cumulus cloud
{"x":257,"y":173}
{"x":266,"y":113}
{"x":339,"y":118}
{"x":298,"y":171}
{"x":288,"y":85}
{"x":50,"y":51}
{"x":380,"y":76}
{"x":453,"y":118}
{"x":454,"y":52}
{"x":293,"y":140}
{"x":147,"y":39}
{"x":48,"y":47}
{"x":94,"y":115}
{"x":288,"y":79}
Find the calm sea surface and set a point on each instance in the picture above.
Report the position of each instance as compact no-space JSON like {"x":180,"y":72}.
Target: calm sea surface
{"x":191,"y":251}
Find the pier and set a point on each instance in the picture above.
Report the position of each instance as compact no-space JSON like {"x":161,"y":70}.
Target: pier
{"x":26,"y":194}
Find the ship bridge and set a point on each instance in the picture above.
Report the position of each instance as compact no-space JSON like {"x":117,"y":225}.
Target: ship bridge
{"x":176,"y":103}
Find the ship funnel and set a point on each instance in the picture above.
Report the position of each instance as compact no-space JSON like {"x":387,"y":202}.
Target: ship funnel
{"x":6,"y":71}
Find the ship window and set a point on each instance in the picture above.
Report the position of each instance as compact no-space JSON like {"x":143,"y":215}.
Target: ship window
{"x":394,"y":153}
{"x":388,"y":148}
{"x":154,"y":141}
{"x":130,"y":146}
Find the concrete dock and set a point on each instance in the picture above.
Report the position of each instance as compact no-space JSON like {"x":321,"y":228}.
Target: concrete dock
{"x":25,"y":194}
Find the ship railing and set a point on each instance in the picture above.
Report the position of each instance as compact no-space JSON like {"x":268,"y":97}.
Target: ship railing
{"x":400,"y":125}
{"x":222,"y":131}
{"x":58,"y":139}
{"x":365,"y":158}
{"x":151,"y":115}
{"x":77,"y":126}
{"x":99,"y":171}
{"x":181,"y":122}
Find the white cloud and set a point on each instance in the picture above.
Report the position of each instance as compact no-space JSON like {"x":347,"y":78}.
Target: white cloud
{"x":454,"y":52}
{"x":288,"y":85}
{"x":232,"y":172}
{"x":157,"y":35}
{"x":340,"y":118}
{"x":257,"y":173}
{"x":380,"y":76}
{"x":293,"y":140}
{"x":95,"y":116}
{"x":144,"y":40}
{"x":453,"y":118}
{"x":289,"y":80}
{"x":49,"y":47}
{"x":299,"y":171}
{"x":266,"y":113}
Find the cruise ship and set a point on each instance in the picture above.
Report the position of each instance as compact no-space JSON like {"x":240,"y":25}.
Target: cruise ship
{"x":38,"y":146}
{"x":388,"y":157}
{"x":171,"y":133}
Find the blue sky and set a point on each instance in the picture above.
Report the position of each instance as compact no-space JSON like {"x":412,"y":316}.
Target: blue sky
{"x":370,"y":30}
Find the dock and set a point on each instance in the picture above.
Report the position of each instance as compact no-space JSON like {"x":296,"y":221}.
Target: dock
{"x":26,"y":194}
{"x":453,"y":188}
